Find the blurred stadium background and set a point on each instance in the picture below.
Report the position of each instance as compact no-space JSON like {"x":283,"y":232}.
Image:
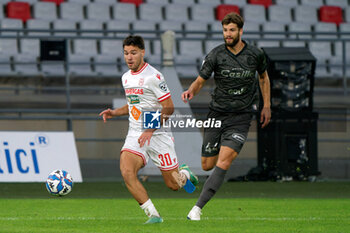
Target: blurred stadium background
{"x":39,"y":95}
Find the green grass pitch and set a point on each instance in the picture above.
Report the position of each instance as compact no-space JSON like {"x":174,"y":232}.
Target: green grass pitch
{"x":237,"y":207}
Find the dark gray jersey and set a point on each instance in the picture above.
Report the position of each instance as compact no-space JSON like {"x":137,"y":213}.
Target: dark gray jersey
{"x":235,"y":77}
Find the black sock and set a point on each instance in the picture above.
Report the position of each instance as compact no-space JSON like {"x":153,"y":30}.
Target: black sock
{"x":211,"y":186}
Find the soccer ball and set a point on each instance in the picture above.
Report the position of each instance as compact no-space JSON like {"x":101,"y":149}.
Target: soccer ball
{"x":59,"y":183}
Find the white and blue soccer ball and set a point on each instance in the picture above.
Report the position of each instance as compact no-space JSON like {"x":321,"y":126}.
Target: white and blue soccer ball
{"x":59,"y":183}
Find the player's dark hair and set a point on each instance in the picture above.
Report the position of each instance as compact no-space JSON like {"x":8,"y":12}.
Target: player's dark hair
{"x":233,"y":18}
{"x":135,"y":41}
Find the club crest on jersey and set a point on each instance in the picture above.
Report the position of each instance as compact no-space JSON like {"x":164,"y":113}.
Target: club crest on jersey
{"x":163,"y":86}
{"x":134,"y":91}
{"x":133,"y":99}
{"x":158,"y":76}
{"x":141,"y":81}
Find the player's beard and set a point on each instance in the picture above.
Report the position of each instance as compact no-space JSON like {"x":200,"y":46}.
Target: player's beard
{"x":234,"y":42}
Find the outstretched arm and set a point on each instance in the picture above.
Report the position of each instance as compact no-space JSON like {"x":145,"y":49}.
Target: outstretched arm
{"x":110,"y":113}
{"x":193,"y":90}
{"x":265,"y":115}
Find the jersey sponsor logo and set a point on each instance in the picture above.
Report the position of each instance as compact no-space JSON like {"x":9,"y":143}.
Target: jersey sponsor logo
{"x":239,"y":137}
{"x":134,"y":91}
{"x":133,"y":99}
{"x":135,"y":113}
{"x":237,"y":73}
{"x":163,"y":86}
{"x":239,"y":91}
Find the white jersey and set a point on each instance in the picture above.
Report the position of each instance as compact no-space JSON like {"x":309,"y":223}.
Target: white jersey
{"x":144,"y":91}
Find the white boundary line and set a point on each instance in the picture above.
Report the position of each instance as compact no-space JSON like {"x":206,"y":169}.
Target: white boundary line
{"x":171,"y":218}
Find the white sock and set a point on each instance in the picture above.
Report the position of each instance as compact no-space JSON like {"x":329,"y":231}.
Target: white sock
{"x":149,"y":208}
{"x":186,"y":173}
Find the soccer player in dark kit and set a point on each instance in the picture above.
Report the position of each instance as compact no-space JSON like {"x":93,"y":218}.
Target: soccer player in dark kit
{"x":234,"y":101}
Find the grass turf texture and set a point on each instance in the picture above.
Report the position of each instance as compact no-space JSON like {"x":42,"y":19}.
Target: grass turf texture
{"x":237,"y":207}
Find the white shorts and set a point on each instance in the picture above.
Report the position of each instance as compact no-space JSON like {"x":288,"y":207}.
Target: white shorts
{"x":161,"y":150}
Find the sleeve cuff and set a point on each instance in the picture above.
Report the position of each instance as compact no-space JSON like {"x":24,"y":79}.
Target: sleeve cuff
{"x":164,"y":97}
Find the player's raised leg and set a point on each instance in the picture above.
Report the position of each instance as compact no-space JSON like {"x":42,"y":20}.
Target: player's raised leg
{"x":215,"y":180}
{"x":176,"y":178}
{"x":130,"y":164}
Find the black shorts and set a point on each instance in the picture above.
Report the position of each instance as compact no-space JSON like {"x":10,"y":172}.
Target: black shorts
{"x":233,"y":132}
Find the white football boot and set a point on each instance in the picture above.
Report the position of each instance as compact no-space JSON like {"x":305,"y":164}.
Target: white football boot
{"x":195,"y":214}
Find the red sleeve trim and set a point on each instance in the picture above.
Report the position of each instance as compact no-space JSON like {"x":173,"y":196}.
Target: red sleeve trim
{"x":164,"y":97}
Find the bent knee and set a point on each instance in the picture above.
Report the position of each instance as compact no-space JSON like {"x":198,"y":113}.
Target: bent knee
{"x":207,"y":167}
{"x":208,"y":163}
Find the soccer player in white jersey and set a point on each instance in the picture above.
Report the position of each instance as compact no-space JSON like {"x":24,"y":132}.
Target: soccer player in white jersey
{"x":146,"y":90}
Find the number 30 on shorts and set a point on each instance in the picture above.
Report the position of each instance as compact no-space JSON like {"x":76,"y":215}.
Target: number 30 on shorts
{"x":165,"y":159}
